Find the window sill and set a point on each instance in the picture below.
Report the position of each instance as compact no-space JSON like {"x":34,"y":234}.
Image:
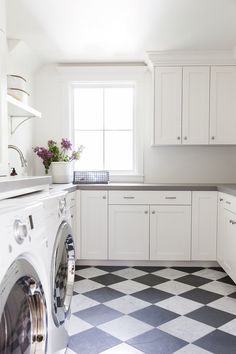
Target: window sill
{"x":126,"y":178}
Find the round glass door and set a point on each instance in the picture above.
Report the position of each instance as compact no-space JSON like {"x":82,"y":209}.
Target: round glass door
{"x":23,"y":315}
{"x":63,"y":273}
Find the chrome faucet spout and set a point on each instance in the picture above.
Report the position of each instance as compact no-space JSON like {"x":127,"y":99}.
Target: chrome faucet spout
{"x":22,"y":158}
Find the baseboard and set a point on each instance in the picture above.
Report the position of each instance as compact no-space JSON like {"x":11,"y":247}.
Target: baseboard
{"x":147,"y":263}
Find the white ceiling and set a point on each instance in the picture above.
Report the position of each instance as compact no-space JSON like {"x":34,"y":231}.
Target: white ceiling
{"x":120,"y":30}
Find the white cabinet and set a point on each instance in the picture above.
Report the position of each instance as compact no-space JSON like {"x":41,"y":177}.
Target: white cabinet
{"x":170,"y":232}
{"x":129,"y":232}
{"x":221,"y":230}
{"x":223,"y":105}
{"x":167,"y":105}
{"x":3,"y":108}
{"x":230,"y":244}
{"x":204,"y":225}
{"x":195,"y":122}
{"x":93,"y":216}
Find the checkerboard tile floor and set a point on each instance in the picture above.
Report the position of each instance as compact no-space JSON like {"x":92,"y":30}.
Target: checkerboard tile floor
{"x":152,"y":310}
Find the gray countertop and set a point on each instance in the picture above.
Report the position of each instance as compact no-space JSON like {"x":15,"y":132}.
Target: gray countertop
{"x":225,"y":188}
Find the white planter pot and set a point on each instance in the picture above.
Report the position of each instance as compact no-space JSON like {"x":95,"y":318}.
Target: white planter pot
{"x":62,"y":172}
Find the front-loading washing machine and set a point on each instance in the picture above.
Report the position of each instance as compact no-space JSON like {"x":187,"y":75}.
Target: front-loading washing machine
{"x":23,"y":280}
{"x":62,"y":268}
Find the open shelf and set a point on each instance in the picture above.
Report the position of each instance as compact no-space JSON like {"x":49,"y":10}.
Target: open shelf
{"x":18,"y":109}
{"x":21,"y":111}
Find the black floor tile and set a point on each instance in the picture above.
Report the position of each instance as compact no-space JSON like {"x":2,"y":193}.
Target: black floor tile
{"x":80,"y":267}
{"x":97,"y":315}
{"x":154,"y":315}
{"x":194,"y":280}
{"x":218,"y":342}
{"x":150,"y":279}
{"x":188,"y":269}
{"x":211,"y":316}
{"x":78,"y":277}
{"x":152,"y":295}
{"x":108,"y":279}
{"x":227,"y":280}
{"x":103,"y":294}
{"x":149,"y":269}
{"x":111,"y":269}
{"x":92,"y":341}
{"x":233,"y":295}
{"x":200,"y":295}
{"x":157,"y":342}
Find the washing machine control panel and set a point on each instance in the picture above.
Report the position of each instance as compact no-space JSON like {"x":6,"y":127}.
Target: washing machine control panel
{"x":20,"y":231}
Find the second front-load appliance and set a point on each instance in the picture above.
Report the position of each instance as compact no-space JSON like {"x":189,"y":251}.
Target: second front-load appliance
{"x":62,"y":268}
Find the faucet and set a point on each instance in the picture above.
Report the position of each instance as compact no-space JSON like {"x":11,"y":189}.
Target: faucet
{"x":22,"y":159}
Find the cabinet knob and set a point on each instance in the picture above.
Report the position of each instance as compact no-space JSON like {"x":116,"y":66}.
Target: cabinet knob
{"x":185,"y":138}
{"x":153,"y":212}
{"x":178,"y":138}
{"x":146,"y":212}
{"x":221,"y":199}
{"x":104,"y":197}
{"x":232,"y":222}
{"x":212,"y":138}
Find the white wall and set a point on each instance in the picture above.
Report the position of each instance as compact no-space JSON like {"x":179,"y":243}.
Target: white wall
{"x":22,"y":61}
{"x":160,"y":164}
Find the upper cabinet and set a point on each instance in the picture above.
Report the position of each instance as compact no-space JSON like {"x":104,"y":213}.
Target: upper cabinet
{"x":168,"y":96}
{"x":194,"y":98}
{"x":223,"y":105}
{"x":195,"y":122}
{"x":3,"y":107}
{"x":2,"y":15}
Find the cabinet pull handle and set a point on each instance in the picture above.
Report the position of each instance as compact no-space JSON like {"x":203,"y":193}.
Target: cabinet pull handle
{"x":129,"y":197}
{"x":185,"y":138}
{"x":232,"y":222}
{"x":146,"y":212}
{"x":178,"y":138}
{"x":153,"y":212}
{"x":170,"y":197}
{"x":212,"y":138}
{"x":104,"y":197}
{"x":221,"y":199}
{"x":227,"y":202}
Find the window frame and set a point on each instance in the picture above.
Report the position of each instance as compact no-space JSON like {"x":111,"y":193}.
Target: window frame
{"x":113,"y":84}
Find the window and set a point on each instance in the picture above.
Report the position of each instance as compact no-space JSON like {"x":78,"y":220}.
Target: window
{"x":103,"y":118}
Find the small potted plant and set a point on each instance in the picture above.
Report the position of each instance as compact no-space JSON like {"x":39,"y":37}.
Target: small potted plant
{"x":60,"y":158}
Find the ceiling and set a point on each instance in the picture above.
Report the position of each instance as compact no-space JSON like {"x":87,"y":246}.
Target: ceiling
{"x":120,"y":30}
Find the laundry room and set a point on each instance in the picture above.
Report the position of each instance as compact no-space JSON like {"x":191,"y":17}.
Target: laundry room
{"x":118,"y":177}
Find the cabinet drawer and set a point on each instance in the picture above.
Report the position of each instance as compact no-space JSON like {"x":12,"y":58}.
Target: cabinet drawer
{"x":150,"y":197}
{"x":229,"y":202}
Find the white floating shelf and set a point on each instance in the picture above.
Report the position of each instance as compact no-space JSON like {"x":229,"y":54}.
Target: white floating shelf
{"x":20,"y":112}
{"x":18,"y":109}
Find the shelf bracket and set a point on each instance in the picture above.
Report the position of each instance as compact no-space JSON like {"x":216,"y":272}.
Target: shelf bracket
{"x":25,"y":119}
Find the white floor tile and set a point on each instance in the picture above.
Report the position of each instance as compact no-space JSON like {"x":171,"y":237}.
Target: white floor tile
{"x":174,"y":287}
{"x":122,"y":349}
{"x":128,"y":286}
{"x":80,"y":302}
{"x":186,"y":329}
{"x":77,"y":325}
{"x":90,"y":272}
{"x":192,"y":349}
{"x":69,"y":351}
{"x":226,"y":304}
{"x":125,"y":327}
{"x":85,"y":285}
{"x":229,"y":327}
{"x":219,"y":287}
{"x":170,"y":273}
{"x":130,"y":273}
{"x":179,"y":305}
{"x":210,"y":274}
{"x":127,"y":304}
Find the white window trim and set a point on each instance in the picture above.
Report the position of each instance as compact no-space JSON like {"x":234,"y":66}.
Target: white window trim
{"x":118,"y":176}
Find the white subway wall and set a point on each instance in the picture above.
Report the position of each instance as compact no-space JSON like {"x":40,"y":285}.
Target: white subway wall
{"x":179,"y":164}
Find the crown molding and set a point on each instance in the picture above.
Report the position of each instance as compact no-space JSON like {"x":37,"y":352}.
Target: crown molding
{"x":179,"y":58}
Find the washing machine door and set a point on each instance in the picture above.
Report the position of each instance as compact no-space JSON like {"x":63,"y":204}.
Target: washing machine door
{"x":23,"y":312}
{"x":63,"y":273}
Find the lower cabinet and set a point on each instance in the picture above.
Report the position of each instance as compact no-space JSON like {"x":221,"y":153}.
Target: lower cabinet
{"x":170,"y":232}
{"x":129,"y":232}
{"x":93,"y":220}
{"x":204,"y":225}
